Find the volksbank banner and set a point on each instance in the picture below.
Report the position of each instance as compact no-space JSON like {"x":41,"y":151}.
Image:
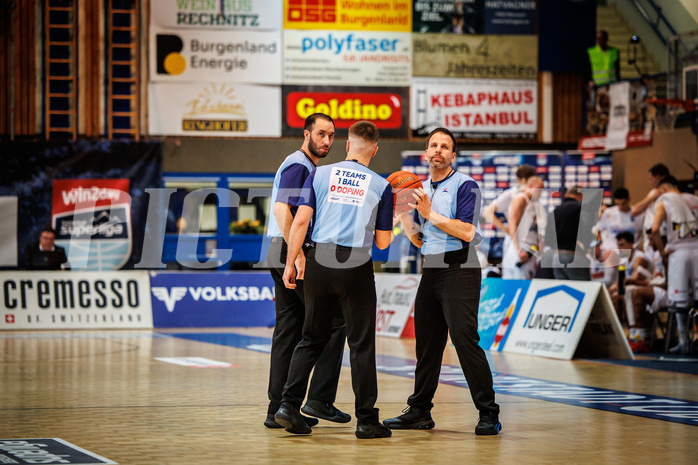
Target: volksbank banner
{"x":347,"y":58}
{"x":247,"y":15}
{"x":179,"y":55}
{"x":75,"y":300}
{"x":207,"y":300}
{"x":214,"y":109}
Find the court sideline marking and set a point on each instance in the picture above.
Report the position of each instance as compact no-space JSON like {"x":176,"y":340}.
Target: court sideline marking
{"x":642,"y":405}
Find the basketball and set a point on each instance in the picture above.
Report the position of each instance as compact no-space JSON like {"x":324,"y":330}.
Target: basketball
{"x":403,"y":183}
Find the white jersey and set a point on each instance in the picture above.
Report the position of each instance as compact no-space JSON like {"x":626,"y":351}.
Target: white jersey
{"x":681,"y":213}
{"x":503,"y":201}
{"x":614,"y":221}
{"x":533,"y":222}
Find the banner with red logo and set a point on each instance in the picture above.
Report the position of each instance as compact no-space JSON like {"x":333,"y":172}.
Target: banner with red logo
{"x":363,"y":15}
{"x":386,"y":108}
{"x":92,"y":219}
{"x":475,"y":108}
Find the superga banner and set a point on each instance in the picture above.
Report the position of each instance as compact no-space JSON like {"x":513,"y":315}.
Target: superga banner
{"x":466,"y":56}
{"x":361,"y":58}
{"x":75,"y":300}
{"x":474,"y":108}
{"x":195,"y":55}
{"x":248,"y":15}
{"x":349,"y":15}
{"x":386,"y":108}
{"x":214,"y":109}
{"x":92,"y":219}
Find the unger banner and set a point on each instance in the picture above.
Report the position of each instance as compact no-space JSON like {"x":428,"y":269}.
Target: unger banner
{"x":350,"y":15}
{"x":361,"y":58}
{"x":475,"y":108}
{"x":75,"y":300}
{"x":214,"y":109}
{"x":475,"y":56}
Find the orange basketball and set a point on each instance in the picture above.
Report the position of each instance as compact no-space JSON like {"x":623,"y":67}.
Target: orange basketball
{"x":404,"y":183}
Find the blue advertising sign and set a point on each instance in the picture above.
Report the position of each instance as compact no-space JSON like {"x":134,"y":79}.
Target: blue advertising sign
{"x":206,"y":300}
{"x":500,"y":302}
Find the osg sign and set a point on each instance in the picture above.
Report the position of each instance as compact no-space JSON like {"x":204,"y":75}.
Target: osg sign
{"x":345,"y":108}
{"x":319,"y":11}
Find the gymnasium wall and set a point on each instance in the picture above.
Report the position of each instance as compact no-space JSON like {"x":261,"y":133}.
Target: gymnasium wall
{"x":630,"y":167}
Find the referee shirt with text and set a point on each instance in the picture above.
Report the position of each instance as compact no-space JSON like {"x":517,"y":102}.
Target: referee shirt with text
{"x":350,"y":202}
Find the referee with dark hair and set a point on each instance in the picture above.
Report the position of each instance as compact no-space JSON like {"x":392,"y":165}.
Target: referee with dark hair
{"x":448,"y":208}
{"x":351,"y":207}
{"x":290,"y":308}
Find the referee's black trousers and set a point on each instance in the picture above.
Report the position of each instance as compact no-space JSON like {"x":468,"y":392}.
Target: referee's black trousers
{"x":353,"y":289}
{"x":290,"y":315}
{"x":447,"y":301}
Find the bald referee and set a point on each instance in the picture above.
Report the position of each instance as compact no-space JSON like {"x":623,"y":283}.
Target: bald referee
{"x":449,"y":292}
{"x":352,"y":207}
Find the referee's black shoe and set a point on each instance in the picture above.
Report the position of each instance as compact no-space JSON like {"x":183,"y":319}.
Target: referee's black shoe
{"x":290,"y":418}
{"x":488,"y":425}
{"x":271,"y":423}
{"x":366,"y":430}
{"x":412,"y":418}
{"x":325,"y":411}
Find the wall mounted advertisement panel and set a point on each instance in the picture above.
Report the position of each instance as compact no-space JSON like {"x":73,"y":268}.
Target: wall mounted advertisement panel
{"x":349,"y":15}
{"x":214,"y":109}
{"x":75,"y":300}
{"x":212,"y":15}
{"x":208,"y":300}
{"x":475,"y":108}
{"x":467,"y":56}
{"x":475,"y":16}
{"x":186,"y":55}
{"x":386,"y":108}
{"x":359,"y":58}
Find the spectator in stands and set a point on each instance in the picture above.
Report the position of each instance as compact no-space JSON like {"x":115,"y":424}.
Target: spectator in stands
{"x":604,"y":61}
{"x":45,"y":255}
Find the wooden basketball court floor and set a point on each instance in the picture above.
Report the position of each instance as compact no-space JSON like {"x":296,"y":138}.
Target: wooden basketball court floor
{"x":118,"y":394}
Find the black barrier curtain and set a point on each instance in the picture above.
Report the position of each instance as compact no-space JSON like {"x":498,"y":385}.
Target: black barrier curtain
{"x":29,"y":168}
